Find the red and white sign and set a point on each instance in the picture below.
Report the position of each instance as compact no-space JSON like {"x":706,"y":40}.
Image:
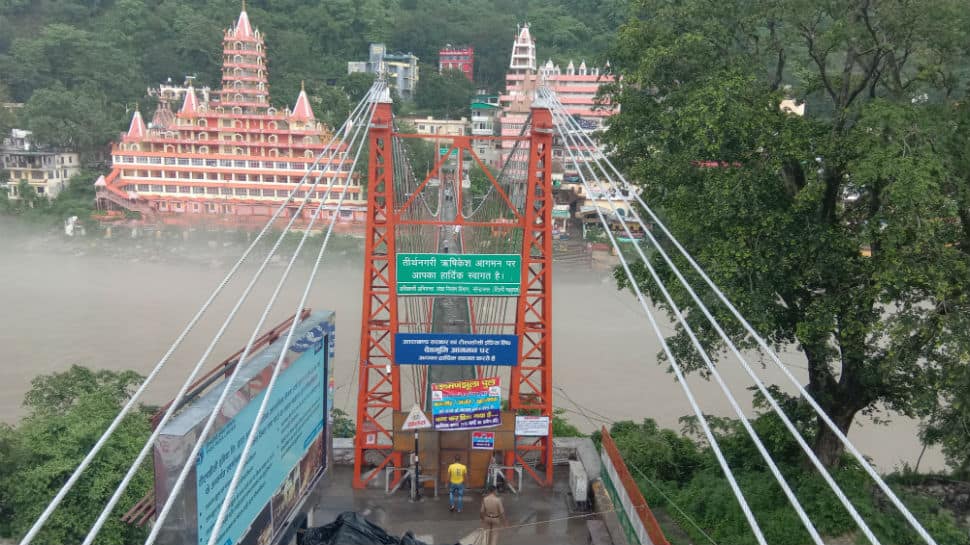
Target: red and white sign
{"x":416,"y":420}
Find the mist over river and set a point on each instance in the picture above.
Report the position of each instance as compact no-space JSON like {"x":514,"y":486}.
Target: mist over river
{"x":72,"y":301}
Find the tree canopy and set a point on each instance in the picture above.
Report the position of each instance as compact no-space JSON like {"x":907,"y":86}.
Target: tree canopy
{"x":843,"y":232}
{"x":67,"y":413}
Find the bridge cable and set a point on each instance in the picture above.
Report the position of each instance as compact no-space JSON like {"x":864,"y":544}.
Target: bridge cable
{"x":681,"y":379}
{"x":133,"y":400}
{"x":764,"y":346}
{"x":203,"y":436}
{"x":105,"y":513}
{"x":784,"y":417}
{"x":267,"y":393}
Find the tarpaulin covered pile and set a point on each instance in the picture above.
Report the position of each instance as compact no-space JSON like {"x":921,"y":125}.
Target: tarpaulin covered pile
{"x":351,"y":528}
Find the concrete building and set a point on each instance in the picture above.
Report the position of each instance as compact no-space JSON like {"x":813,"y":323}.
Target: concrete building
{"x":457,"y":58}
{"x":436,"y":129}
{"x":400,"y":69}
{"x":487,"y":121}
{"x":46,"y":170}
{"x":231,"y":156}
{"x":575,"y":86}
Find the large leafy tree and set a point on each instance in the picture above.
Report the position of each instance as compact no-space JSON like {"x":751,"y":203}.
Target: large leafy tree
{"x":67,"y":412}
{"x":840,"y":232}
{"x":445,"y":95}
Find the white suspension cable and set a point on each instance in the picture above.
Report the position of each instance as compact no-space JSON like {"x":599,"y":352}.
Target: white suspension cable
{"x":681,"y":379}
{"x":243,"y":458}
{"x":106,"y":512}
{"x":860,"y":458}
{"x":826,"y":475}
{"x":133,"y":400}
{"x":799,"y":510}
{"x":210,"y":422}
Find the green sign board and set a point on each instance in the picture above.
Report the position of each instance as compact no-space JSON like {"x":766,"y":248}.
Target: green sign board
{"x":444,"y":151}
{"x":459,"y":274}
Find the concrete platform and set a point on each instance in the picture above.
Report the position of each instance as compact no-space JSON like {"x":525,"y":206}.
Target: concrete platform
{"x":536,"y":516}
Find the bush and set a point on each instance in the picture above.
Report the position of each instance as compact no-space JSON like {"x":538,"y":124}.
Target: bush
{"x":689,"y":474}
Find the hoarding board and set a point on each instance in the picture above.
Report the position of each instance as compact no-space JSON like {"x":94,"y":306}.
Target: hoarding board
{"x":287,"y":458}
{"x":459,"y":274}
{"x":532,"y":426}
{"x":466,"y":404}
{"x":455,"y":349}
{"x":483,"y":440}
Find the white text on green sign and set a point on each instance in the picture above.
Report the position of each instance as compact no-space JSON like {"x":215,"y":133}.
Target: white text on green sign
{"x":459,"y":274}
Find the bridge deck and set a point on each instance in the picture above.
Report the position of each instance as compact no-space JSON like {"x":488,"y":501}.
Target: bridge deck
{"x":430,"y":520}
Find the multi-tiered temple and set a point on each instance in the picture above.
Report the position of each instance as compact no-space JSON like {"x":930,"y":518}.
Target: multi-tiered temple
{"x":232,"y":156}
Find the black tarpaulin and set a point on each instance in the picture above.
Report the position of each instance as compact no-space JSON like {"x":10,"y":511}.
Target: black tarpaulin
{"x":350,"y":528}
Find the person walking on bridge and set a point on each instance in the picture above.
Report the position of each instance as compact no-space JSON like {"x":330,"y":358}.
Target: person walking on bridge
{"x":492,"y":515}
{"x":456,"y":477}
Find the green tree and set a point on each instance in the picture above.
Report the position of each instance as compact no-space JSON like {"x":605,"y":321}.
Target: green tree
{"x":67,"y":412}
{"x":835,"y":233}
{"x":73,"y":119}
{"x":445,"y":95}
{"x":7,"y":119}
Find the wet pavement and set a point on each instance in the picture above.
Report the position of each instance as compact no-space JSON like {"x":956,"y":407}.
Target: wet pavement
{"x":536,"y":516}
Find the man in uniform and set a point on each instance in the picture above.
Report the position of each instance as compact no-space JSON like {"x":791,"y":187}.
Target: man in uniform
{"x":456,"y":478}
{"x":492,"y":515}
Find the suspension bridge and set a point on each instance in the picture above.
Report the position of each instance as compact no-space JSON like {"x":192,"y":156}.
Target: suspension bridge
{"x":441,"y":269}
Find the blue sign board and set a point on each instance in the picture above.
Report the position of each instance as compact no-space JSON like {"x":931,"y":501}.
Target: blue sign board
{"x":292,"y":425}
{"x":455,"y":349}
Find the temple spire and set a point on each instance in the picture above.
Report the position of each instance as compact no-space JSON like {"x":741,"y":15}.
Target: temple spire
{"x":243,"y":28}
{"x":302,"y":110}
{"x":137,"y":128}
{"x":190,"y":105}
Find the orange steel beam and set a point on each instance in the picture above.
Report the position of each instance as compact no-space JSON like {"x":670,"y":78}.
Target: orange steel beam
{"x":531,"y":384}
{"x":379,"y":386}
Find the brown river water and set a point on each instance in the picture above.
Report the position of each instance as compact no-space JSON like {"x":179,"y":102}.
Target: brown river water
{"x":64,"y":302}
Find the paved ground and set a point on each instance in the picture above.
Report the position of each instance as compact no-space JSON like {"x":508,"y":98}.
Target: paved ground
{"x":537,"y":516}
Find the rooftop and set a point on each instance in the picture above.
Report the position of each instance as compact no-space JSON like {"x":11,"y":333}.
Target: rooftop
{"x":536,"y":515}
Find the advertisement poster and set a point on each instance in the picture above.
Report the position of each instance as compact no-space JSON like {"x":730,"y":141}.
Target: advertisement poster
{"x":466,"y":404}
{"x":483,"y":440}
{"x":455,"y":349}
{"x":288,"y":451}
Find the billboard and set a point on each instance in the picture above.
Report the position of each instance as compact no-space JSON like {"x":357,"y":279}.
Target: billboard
{"x":287,"y":458}
{"x":459,"y":274}
{"x":455,"y":349}
{"x":466,"y":404}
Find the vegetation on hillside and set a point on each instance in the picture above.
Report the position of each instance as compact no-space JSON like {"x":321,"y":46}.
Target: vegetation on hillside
{"x":844,"y":233}
{"x":82,"y":66}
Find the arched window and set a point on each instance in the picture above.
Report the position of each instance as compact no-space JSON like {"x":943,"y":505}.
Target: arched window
{"x":274,"y":152}
{"x":237,"y":110}
{"x":203,"y":149}
{"x":237,"y":151}
{"x":203,"y":136}
{"x":237,"y":71}
{"x":237,"y":137}
{"x":272,"y":125}
{"x":272,"y":138}
{"x":237,"y":97}
{"x":238,"y":124}
{"x":237,"y":59}
{"x":202,"y":122}
{"x":169,"y":148}
{"x":237,"y":84}
{"x":271,"y":111}
{"x":237,"y":45}
{"x":308,"y":154}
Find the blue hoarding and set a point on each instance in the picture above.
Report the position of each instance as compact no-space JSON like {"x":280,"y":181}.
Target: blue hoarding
{"x":455,"y":349}
{"x":291,"y":427}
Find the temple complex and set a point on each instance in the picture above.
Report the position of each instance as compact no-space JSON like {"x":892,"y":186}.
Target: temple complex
{"x":226,"y":155}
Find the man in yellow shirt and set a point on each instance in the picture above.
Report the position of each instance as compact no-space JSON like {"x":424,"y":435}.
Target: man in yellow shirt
{"x":456,"y":477}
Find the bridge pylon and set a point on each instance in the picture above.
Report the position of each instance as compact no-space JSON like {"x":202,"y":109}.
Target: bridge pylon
{"x":379,"y":390}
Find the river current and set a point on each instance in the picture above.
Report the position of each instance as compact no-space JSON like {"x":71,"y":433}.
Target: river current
{"x":120,"y":304}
